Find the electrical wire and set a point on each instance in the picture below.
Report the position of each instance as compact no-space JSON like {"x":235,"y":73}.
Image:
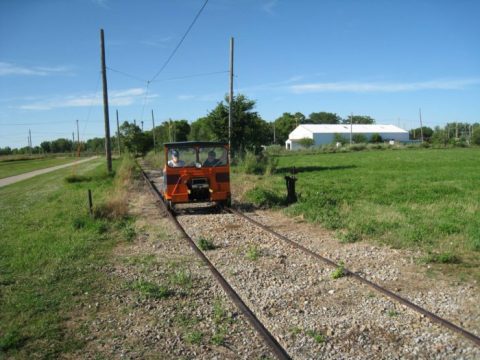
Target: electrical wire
{"x":91,"y":105}
{"x":127,"y":75}
{"x":191,"y":76}
{"x":180,"y":42}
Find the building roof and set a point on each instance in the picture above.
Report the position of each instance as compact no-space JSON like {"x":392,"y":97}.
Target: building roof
{"x":356,"y":128}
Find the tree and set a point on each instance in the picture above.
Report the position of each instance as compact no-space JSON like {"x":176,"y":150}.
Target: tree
{"x":306,"y":142}
{"x":476,"y":136}
{"x":359,"y":119}
{"x":338,"y":138}
{"x":284,"y":125}
{"x":249,"y":130}
{"x":136,"y":141}
{"x":376,"y":138}
{"x":415,"y":134}
{"x":199,"y":130}
{"x":46,"y":146}
{"x":323,"y":118}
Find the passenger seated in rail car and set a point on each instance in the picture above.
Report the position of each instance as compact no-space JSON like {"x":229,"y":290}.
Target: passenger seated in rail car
{"x":211,"y":160}
{"x":175,"y":161}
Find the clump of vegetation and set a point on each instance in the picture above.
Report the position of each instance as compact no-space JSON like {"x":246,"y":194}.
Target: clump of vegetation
{"x":78,"y":223}
{"x":392,"y":313}
{"x":150,"y":290}
{"x":443,"y":258}
{"x":218,"y":337}
{"x":265,"y":198}
{"x":316,"y":335}
{"x":182,"y":278}
{"x":349,"y":237}
{"x":339,"y":272}
{"x":77,"y":178}
{"x":253,"y":253}
{"x":206,"y":244}
{"x":258,"y":164}
{"x":307,"y":143}
{"x":129,"y":232}
{"x":193,"y":337}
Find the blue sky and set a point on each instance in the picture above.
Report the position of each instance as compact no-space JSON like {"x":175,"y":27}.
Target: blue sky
{"x":383,"y":58}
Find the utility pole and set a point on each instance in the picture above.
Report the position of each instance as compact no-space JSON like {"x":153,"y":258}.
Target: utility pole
{"x":134,"y":122}
{"x":351,"y":128}
{"x":73,"y":143}
{"x":142,"y":125}
{"x":30,"y":140}
{"x":421,"y":125}
{"x":78,"y":136}
{"x":230,"y":103}
{"x":456,"y":130}
{"x":153,"y":134}
{"x":118,"y":136}
{"x":108,"y":150}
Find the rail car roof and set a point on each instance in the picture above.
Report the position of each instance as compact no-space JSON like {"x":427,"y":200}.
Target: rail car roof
{"x":195,"y":143}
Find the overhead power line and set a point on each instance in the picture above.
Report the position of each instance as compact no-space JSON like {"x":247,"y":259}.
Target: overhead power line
{"x":181,"y":41}
{"x":191,"y":76}
{"x":127,"y":75}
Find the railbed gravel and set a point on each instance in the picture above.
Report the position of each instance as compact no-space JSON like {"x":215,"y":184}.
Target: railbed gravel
{"x":124,"y":323}
{"x":315,"y":316}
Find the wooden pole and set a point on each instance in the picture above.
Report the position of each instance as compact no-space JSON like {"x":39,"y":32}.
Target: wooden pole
{"x":90,"y":202}
{"x":230,"y":102}
{"x":153,"y":133}
{"x":108,"y":150}
{"x":351,"y":128}
{"x":118,"y":136}
{"x":421,"y":125}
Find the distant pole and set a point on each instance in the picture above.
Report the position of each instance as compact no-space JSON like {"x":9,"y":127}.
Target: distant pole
{"x":118,"y":135}
{"x":73,"y":143}
{"x":108,"y":150}
{"x":134,"y":122}
{"x":230,"y":102}
{"x":78,"y":135}
{"x":351,"y":128}
{"x":142,"y":124}
{"x":456,"y":130}
{"x":30,"y":140}
{"x":153,"y":133}
{"x":421,"y":125}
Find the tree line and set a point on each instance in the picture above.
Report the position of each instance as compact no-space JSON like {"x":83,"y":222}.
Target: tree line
{"x":249,"y":131}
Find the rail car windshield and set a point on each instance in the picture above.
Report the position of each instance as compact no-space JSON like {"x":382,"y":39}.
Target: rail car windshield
{"x":213,"y":156}
{"x":182,"y":157}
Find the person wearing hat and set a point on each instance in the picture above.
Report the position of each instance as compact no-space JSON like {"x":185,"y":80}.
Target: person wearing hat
{"x":211,"y":160}
{"x":175,"y":161}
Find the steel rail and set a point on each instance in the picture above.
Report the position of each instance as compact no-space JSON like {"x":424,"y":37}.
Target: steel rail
{"x":272,"y":343}
{"x":435,"y":318}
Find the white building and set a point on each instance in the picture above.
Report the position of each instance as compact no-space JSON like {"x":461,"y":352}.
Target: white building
{"x":325,"y":134}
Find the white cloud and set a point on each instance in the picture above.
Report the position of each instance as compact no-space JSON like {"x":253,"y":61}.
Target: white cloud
{"x":101,"y":3}
{"x":269,"y":6}
{"x":116,"y":97}
{"x":161,"y":42}
{"x":13,"y":69}
{"x":362,"y":87}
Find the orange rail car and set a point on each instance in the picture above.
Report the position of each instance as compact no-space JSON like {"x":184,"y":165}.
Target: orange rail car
{"x":196,"y":171}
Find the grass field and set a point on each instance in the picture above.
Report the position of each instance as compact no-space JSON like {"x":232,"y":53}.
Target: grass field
{"x":15,"y":167}
{"x":50,"y":252}
{"x":425,"y":198}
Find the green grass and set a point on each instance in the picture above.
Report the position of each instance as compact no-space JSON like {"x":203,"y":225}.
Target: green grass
{"x":16,"y":167}
{"x":206,"y":244}
{"x":339,"y":272}
{"x":316,"y":335}
{"x":253,"y":253}
{"x":50,"y":253}
{"x":413,"y":198}
{"x":150,"y":290}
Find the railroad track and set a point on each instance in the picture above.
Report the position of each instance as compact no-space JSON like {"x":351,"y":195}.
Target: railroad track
{"x":261,"y":329}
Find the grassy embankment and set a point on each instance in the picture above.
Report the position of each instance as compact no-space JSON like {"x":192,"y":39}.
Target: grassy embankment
{"x":15,"y":167}
{"x":426,"y":199}
{"x":50,"y":253}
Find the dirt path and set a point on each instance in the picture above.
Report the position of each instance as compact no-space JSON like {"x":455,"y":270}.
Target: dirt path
{"x":16,"y":178}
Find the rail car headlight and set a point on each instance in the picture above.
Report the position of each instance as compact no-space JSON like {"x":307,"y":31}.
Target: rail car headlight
{"x":198,"y":165}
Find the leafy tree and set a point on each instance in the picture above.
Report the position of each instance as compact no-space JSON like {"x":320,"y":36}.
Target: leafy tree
{"x":323,"y":118}
{"x":299,"y":118}
{"x":359,"y":119}
{"x":136,"y":141}
{"x":376,"y":138}
{"x":96,"y":145}
{"x":5,"y":151}
{"x":199,"y":130}
{"x":439,"y":136}
{"x":284,"y":125}
{"x":306,"y":142}
{"x":45,"y":145}
{"x":249,"y":131}
{"x":415,"y":134}
{"x":476,"y":136}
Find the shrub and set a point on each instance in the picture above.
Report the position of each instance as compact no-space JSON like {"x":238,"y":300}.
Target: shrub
{"x":258,"y":164}
{"x":359,"y":139}
{"x":253,"y":253}
{"x":205,"y":244}
{"x":306,"y":142}
{"x":376,"y":138}
{"x":77,"y":178}
{"x":339,"y":271}
{"x":476,"y":136}
{"x":443,"y":258}
{"x":339,"y":138}
{"x":357,"y":147}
